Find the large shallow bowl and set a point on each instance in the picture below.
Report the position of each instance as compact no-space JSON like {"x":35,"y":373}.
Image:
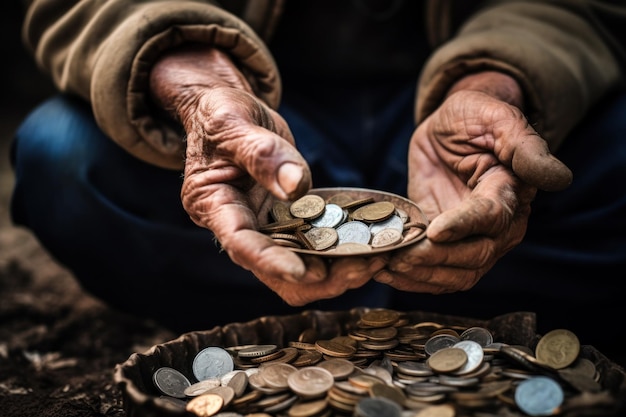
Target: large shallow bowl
{"x":141,"y":398}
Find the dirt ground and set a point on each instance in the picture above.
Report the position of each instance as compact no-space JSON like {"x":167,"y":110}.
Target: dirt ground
{"x":58,"y":345}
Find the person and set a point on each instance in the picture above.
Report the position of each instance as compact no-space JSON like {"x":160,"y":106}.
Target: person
{"x":179,"y":123}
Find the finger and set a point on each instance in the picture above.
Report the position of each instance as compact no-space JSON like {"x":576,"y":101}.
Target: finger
{"x":533,"y":163}
{"x":272,"y":161}
{"x":225,"y":211}
{"x":529,"y":156}
{"x":494,"y":204}
{"x":472,"y":253}
{"x":342,"y":279}
{"x":437,"y":280}
{"x":355,"y":270}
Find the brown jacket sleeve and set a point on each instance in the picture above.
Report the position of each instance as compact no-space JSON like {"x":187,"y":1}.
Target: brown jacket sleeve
{"x":103,"y":51}
{"x":561,"y":52}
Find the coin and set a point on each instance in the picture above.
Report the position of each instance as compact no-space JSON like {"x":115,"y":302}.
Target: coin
{"x":335,"y":349}
{"x":474,"y":356}
{"x":558,"y":348}
{"x":479,"y":335}
{"x":539,"y":396}
{"x":275,"y":374}
{"x":257,"y":350}
{"x":353,"y":232}
{"x":205,"y":405}
{"x":212,"y":362}
{"x":448,"y":359}
{"x":332,"y":216}
{"x":380,"y":318}
{"x":386,"y":237}
{"x":170,"y":382}
{"x":307,"y":207}
{"x":308,"y":408}
{"x":311,"y":381}
{"x":377,"y":407}
{"x":201,"y":387}
{"x":321,"y":238}
{"x":338,"y":367}
{"x":440,"y":341}
{"x":374,"y":212}
{"x":393,"y":222}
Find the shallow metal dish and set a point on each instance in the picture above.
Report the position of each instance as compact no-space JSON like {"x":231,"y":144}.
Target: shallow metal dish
{"x":415,"y":213}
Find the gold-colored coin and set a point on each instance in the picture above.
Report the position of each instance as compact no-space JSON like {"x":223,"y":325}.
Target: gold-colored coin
{"x":308,"y":408}
{"x":282,"y":226}
{"x":357,"y":203}
{"x":334,"y":349}
{"x":374,"y":212}
{"x":321,"y":238}
{"x":447,"y":359}
{"x":558,"y":348}
{"x":205,"y":405}
{"x":379,"y":318}
{"x":343,"y":200}
{"x":307,"y":207}
{"x":280,"y":211}
{"x":386,"y":237}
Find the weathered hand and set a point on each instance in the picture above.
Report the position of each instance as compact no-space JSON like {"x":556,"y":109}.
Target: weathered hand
{"x":474,"y":167}
{"x":238,"y":150}
{"x":240,"y":157}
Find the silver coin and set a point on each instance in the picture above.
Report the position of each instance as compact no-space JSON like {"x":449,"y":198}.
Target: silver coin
{"x":414,"y":368}
{"x":438,"y":342}
{"x":479,"y":335}
{"x":353,"y":232}
{"x":331,"y":217}
{"x":539,"y":396}
{"x":475,"y":356}
{"x":212,"y":362}
{"x":393,"y":222}
{"x":170,"y":382}
{"x":310,"y":381}
{"x":377,"y":407}
{"x":255,"y":351}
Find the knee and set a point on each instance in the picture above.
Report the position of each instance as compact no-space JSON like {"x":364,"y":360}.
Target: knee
{"x":51,"y":135}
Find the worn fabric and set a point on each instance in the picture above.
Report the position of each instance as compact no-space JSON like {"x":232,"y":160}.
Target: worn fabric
{"x":567,"y":54}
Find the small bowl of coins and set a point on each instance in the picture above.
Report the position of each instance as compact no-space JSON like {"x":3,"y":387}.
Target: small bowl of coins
{"x":336,"y":222}
{"x":373,"y":363}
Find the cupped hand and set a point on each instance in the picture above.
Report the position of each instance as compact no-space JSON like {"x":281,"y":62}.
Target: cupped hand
{"x":475,"y":165}
{"x":240,"y":157}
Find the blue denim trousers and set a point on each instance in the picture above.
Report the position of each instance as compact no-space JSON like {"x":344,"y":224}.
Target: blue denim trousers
{"x":118,"y":224}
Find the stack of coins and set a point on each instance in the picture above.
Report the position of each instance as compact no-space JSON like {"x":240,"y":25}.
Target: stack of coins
{"x":340,"y":224}
{"x":388,"y":366}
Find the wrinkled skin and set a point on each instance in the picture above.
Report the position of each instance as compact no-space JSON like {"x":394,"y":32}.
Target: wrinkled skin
{"x":474,"y":168}
{"x":240,"y":157}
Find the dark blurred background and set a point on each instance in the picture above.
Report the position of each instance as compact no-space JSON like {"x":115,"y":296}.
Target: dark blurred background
{"x":23,"y":86}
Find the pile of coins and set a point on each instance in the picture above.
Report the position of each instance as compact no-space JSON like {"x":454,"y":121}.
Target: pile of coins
{"x":340,"y":224}
{"x":387,"y":366}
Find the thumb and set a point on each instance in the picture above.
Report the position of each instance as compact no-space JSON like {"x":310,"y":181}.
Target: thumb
{"x":534,"y":164}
